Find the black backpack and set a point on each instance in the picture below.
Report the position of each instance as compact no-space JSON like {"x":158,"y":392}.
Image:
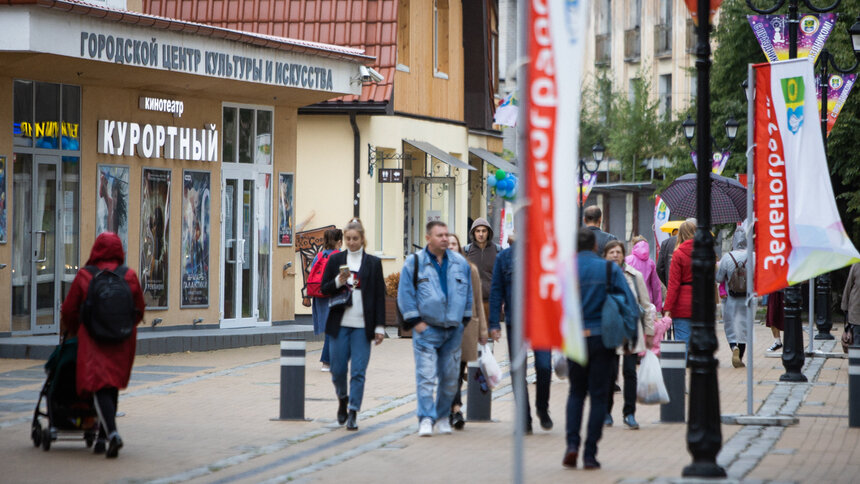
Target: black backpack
{"x":108,"y":311}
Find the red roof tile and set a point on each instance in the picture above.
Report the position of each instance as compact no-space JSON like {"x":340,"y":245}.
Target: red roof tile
{"x":370,"y":25}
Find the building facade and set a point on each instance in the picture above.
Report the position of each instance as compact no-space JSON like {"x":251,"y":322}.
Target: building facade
{"x":180,"y":137}
{"x":413,"y":145}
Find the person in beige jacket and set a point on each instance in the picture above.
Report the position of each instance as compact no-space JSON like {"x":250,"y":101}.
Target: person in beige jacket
{"x":851,"y":302}
{"x":614,"y":251}
{"x":474,"y":333}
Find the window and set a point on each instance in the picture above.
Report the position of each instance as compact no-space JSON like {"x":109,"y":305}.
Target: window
{"x":403,"y":36}
{"x":666,"y":95}
{"x":247,"y":135}
{"x":694,"y":81}
{"x":46,"y":115}
{"x":440,"y":38}
{"x":634,"y":14}
{"x":632,"y":89}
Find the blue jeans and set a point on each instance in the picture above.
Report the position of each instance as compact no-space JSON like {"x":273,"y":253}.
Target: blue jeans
{"x":437,"y":358}
{"x":350,"y":346}
{"x":325,"y":357}
{"x":592,"y":379}
{"x":682,"y":329}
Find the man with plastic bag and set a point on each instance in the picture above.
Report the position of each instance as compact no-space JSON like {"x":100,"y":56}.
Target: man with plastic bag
{"x":592,"y":378}
{"x":501,"y":290}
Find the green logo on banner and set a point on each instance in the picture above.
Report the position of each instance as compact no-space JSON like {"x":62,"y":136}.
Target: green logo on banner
{"x":793,"y":90}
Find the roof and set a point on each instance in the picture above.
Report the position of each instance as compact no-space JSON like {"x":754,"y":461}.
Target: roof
{"x":368,"y":25}
{"x":165,"y":23}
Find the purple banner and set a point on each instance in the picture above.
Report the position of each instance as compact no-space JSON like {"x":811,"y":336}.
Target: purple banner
{"x":772,"y":34}
{"x":838,"y":88}
{"x":718,"y":163}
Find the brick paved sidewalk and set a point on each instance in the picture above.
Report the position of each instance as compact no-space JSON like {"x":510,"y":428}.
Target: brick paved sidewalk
{"x":206,"y":417}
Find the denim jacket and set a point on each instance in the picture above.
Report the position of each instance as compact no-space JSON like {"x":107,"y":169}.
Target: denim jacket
{"x":592,"y":288}
{"x":427,"y":303}
{"x":501,"y":288}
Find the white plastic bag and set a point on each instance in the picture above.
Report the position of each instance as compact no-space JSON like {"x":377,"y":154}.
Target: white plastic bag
{"x":490,"y":367}
{"x":650,"y":389}
{"x":559,"y":364}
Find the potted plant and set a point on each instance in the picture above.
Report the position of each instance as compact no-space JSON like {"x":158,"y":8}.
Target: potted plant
{"x":392,"y":312}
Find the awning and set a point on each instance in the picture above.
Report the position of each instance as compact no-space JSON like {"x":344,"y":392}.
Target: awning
{"x":439,"y":154}
{"x":494,"y":160}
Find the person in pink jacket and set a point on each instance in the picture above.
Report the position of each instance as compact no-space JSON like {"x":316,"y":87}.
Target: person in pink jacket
{"x":640,"y":259}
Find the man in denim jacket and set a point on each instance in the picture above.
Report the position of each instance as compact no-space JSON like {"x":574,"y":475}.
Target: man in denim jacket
{"x":593,"y":378}
{"x":436,"y":304}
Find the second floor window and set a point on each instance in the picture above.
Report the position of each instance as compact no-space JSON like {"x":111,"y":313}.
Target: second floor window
{"x":440,"y":38}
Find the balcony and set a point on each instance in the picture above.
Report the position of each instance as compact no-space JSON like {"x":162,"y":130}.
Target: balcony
{"x":602,"y":50}
{"x":663,"y":40}
{"x":691,"y":37}
{"x":632,"y":45}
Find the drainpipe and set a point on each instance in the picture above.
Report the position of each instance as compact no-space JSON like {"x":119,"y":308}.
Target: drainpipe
{"x":356,"y":165}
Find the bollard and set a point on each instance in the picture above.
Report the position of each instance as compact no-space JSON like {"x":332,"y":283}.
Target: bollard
{"x":674,"y":365}
{"x":293,"y":379}
{"x":854,"y":386}
{"x":478,"y":403}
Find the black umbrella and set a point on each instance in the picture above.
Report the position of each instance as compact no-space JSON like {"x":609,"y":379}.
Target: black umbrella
{"x":728,"y":198}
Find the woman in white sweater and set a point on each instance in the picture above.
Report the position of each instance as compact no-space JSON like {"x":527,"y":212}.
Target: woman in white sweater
{"x":354,"y":324}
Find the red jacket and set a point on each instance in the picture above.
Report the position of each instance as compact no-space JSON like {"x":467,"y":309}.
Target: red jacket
{"x":99,"y":365}
{"x":679,"y":294}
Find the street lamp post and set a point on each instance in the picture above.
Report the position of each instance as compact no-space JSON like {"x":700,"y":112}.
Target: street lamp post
{"x":825,"y":60}
{"x":704,"y":435}
{"x":597,"y":152}
{"x":731,"y":128}
{"x":792,"y":351}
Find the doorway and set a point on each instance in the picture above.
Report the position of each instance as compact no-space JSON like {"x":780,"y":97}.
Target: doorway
{"x":45,"y":191}
{"x":245,"y":247}
{"x":429,"y":198}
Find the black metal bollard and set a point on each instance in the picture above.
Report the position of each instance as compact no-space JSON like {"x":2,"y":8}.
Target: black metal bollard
{"x":478,"y":403}
{"x":673,"y":362}
{"x":293,"y":379}
{"x":854,"y":386}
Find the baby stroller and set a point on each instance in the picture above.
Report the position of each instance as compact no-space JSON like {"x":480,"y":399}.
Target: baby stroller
{"x":69,"y":417}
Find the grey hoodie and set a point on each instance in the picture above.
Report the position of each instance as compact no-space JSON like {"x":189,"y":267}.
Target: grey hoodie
{"x":483,"y":258}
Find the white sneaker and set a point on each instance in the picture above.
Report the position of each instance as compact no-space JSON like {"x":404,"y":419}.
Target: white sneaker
{"x":425,"y":428}
{"x":325,"y":367}
{"x":443,"y":426}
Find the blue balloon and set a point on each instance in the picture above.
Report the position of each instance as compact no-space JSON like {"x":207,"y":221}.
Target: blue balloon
{"x":491,"y":181}
{"x":513,"y":192}
{"x":509,"y":184}
{"x":500,"y":191}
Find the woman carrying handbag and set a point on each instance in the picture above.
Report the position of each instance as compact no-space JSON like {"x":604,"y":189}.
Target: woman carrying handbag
{"x":353,"y":280}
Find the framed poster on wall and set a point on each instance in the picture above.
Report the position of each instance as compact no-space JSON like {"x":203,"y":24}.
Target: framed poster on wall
{"x":2,"y":199}
{"x":154,"y":236}
{"x":196,"y":228}
{"x":112,"y":201}
{"x":285,"y":209}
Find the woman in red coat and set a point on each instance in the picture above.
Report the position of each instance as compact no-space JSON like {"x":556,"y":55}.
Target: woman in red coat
{"x":102,"y":369}
{"x":679,"y":294}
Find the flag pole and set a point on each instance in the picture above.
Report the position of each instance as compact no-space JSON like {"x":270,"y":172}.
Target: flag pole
{"x":518,"y":357}
{"x":751,"y":299}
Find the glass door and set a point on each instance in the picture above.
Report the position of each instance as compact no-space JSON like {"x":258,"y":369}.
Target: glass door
{"x":36,"y":259}
{"x":430,"y":198}
{"x":245,"y":258}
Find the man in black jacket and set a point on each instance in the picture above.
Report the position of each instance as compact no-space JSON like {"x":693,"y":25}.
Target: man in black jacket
{"x":593,"y":219}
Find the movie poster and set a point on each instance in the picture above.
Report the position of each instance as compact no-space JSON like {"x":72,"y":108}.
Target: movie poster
{"x":285,"y":209}
{"x":155,"y":236}
{"x":112,"y":202}
{"x":2,"y":199}
{"x":196,"y":205}
{"x":308,"y":243}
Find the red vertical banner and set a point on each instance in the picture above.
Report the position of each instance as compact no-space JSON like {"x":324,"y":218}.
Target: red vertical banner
{"x":542,"y":302}
{"x":772,"y":241}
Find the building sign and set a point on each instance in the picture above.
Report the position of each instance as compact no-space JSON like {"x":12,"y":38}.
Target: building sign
{"x":390,"y":175}
{"x":162,"y":105}
{"x":122,"y":138}
{"x":83,"y":37}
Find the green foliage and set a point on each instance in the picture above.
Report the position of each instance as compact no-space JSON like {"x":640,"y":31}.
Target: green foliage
{"x":630,"y":127}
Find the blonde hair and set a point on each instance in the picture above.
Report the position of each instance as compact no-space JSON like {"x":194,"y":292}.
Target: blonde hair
{"x":637,"y":239}
{"x":686,"y":231}
{"x":355,"y":224}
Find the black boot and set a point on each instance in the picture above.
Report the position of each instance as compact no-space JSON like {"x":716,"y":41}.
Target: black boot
{"x":341,"y":410}
{"x":114,"y":444}
{"x":352,"y":421}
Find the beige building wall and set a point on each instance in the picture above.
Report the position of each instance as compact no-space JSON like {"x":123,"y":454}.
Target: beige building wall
{"x":6,"y":248}
{"x":678,"y":62}
{"x":324,"y":174}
